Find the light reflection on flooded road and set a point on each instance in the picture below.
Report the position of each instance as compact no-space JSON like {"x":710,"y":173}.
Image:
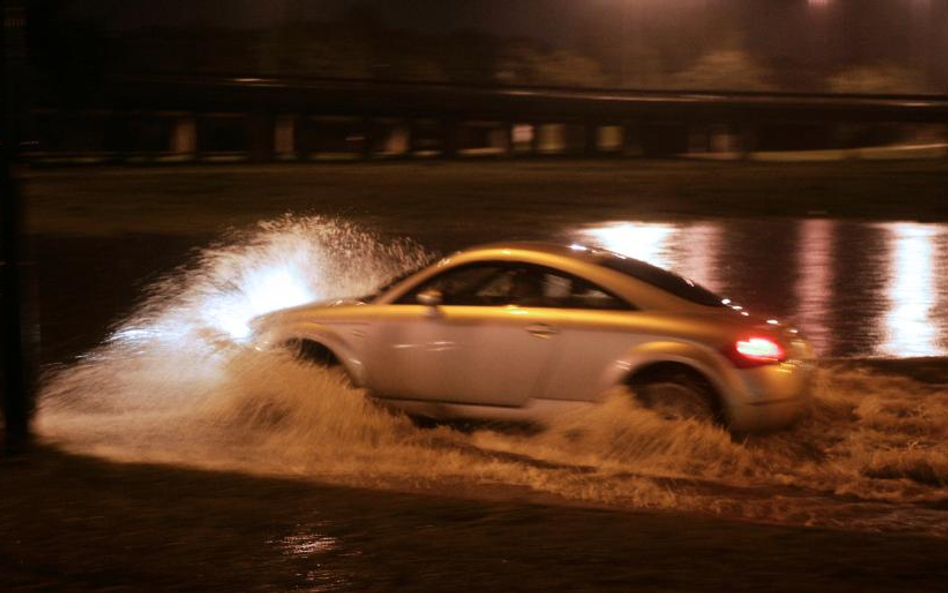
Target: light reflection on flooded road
{"x":911,"y":323}
{"x":854,"y":289}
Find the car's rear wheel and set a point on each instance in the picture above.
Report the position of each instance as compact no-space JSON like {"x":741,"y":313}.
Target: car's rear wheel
{"x":677,"y":392}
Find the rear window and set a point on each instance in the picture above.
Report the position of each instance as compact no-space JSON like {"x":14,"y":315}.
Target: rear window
{"x":663,"y":279}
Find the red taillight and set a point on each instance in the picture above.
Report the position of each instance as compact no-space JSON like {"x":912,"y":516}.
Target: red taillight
{"x":755,"y":352}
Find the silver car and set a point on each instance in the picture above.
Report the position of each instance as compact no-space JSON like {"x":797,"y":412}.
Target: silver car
{"x":522,"y":331}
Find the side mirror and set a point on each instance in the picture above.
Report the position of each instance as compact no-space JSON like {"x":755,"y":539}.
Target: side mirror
{"x":430,"y":298}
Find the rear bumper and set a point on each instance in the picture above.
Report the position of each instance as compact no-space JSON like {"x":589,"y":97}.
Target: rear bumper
{"x":768,"y":415}
{"x":771,"y":397}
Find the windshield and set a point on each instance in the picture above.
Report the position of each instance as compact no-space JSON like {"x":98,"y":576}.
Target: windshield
{"x":663,"y":279}
{"x":393,"y":281}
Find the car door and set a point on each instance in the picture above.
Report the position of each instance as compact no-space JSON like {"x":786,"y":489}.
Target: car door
{"x":593,"y":329}
{"x":479,"y":346}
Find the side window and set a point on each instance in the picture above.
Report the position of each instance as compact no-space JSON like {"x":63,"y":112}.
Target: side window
{"x":460,"y":286}
{"x":497,"y":289}
{"x":565,"y":291}
{"x":586,"y":295}
{"x":499,"y":284}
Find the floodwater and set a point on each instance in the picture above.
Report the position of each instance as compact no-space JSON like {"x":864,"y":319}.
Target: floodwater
{"x":854,"y":289}
{"x":172,"y":382}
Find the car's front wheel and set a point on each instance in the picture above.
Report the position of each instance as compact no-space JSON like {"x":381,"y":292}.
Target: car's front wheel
{"x":677,"y":392}
{"x":315,"y":354}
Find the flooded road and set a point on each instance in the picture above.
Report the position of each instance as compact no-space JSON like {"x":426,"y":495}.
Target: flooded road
{"x":172,"y":384}
{"x":855,"y":289}
{"x":77,"y":523}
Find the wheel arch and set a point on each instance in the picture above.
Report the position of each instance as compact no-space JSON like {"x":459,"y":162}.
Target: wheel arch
{"x":664,"y":356}
{"x":313,"y":351}
{"x":318,"y":343}
{"x":666,"y":369}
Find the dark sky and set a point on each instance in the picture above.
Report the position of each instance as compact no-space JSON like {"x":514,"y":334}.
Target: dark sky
{"x":831,"y":32}
{"x":542,"y":18}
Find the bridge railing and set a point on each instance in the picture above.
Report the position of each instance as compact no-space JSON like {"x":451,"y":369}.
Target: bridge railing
{"x":182,"y":119}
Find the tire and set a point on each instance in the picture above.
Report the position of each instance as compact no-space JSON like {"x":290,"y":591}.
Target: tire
{"x":310,"y":353}
{"x":677,"y":393}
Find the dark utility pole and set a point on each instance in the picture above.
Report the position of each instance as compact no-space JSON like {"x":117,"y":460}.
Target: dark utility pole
{"x":17,"y":334}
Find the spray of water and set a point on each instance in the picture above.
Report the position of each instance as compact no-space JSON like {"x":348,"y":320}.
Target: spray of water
{"x":175,"y":384}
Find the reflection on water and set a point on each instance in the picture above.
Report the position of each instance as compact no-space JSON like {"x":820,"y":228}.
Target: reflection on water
{"x":815,"y":280}
{"x":644,"y":241}
{"x":305,"y":544}
{"x":688,"y":249}
{"x":911,"y":293}
{"x":854,"y":289}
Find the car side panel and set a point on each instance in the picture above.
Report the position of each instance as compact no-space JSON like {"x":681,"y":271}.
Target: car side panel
{"x":596,"y":348}
{"x":477,"y":355}
{"x":586,"y":350}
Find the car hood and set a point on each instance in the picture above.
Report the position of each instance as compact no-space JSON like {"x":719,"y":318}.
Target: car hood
{"x":308,"y":308}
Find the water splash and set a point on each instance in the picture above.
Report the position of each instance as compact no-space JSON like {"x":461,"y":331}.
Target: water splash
{"x":176,"y":352}
{"x":174,"y":385}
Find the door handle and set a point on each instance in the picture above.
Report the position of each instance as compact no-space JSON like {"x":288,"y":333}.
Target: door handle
{"x":542,"y":330}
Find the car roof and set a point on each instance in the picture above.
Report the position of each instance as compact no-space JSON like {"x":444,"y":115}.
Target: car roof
{"x":575,"y":251}
{"x":653,"y":285}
